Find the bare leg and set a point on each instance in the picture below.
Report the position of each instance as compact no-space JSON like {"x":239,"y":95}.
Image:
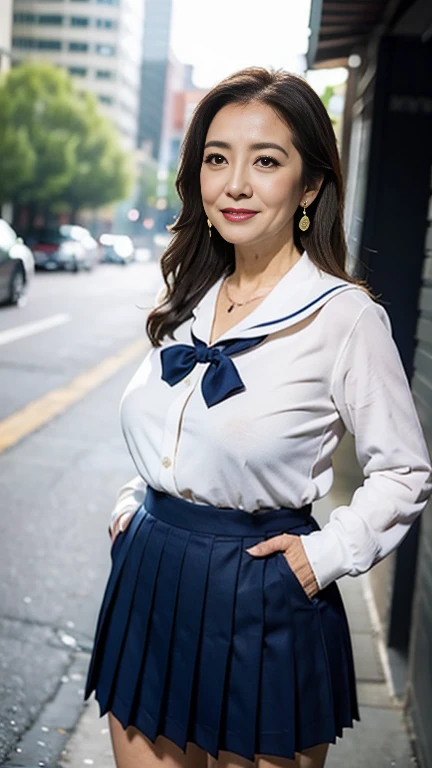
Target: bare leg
{"x":309,"y":758}
{"x":229,"y":760}
{"x":134,"y":750}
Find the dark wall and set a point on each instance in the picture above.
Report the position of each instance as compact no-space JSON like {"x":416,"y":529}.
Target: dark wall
{"x":396,"y":254}
{"x":392,"y":243}
{"x":419,"y":703}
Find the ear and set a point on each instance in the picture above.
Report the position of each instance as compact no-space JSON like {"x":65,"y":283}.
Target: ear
{"x":310,"y":193}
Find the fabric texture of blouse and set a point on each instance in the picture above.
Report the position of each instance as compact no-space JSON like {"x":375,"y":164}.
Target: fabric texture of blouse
{"x":328,"y":364}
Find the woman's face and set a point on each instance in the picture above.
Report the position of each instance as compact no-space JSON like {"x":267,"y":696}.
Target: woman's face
{"x":250,"y":164}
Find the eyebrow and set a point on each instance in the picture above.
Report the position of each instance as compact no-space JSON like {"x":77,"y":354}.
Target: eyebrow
{"x":259,"y":145}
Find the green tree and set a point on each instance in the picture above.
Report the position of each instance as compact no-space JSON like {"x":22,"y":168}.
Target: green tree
{"x":102,"y":172}
{"x":17,"y":157}
{"x":326,"y":96}
{"x":146,"y":187}
{"x":61,"y":131}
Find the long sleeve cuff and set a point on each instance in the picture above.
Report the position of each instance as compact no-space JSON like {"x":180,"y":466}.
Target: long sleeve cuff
{"x":328,"y":557}
{"x":129,"y":498}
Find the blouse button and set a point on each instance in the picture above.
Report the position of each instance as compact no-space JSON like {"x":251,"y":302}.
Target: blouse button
{"x":166,"y":461}
{"x":187,"y":381}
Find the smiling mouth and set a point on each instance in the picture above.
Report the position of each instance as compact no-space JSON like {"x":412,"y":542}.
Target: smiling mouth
{"x":238,"y":214}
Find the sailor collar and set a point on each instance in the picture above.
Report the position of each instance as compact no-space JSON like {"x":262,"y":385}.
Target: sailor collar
{"x":301,"y":291}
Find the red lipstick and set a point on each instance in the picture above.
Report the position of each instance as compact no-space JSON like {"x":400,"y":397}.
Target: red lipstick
{"x":238,"y":214}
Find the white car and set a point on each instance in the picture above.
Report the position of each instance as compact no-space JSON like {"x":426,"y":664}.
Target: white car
{"x":16,"y":266}
{"x":117,"y":248}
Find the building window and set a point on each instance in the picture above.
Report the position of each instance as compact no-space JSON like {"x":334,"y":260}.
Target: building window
{"x":106,"y":23}
{"x":24,"y":18}
{"x":49,"y":45}
{"x":50,"y":19}
{"x":104,"y":74}
{"x":23,"y":42}
{"x":105,"y":99}
{"x":78,"y":71}
{"x":78,"y":47}
{"x":107,"y":2}
{"x":79,"y":21}
{"x":106,"y":50}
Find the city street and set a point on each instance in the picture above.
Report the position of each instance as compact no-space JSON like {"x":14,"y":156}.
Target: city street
{"x":62,"y":462}
{"x":57,"y":486}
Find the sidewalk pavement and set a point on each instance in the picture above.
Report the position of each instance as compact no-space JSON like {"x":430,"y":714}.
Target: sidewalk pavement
{"x":380,"y":740}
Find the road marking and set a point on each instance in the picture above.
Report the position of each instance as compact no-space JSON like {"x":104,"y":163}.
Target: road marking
{"x":41,"y":411}
{"x":29,"y":329}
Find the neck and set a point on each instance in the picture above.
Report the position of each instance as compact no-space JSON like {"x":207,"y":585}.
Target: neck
{"x":262,"y":265}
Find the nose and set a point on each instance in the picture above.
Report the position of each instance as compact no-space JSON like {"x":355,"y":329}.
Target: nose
{"x":238,"y":184}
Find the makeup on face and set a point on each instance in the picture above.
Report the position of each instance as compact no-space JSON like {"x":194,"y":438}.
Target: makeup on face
{"x":250,"y":175}
{"x":238,"y":214}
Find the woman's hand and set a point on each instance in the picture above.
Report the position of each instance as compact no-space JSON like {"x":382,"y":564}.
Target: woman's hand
{"x":293,"y":550}
{"x":120,"y":525}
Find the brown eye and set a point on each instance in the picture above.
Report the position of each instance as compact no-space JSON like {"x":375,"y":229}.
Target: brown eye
{"x":267,"y":162}
{"x":214,"y":159}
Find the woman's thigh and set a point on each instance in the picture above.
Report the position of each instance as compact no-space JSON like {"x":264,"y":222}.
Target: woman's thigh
{"x":309,"y":758}
{"x":134,"y":750}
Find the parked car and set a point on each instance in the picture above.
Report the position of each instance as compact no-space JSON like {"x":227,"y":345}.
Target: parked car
{"x":117,"y":248}
{"x":16,"y":266}
{"x":68,"y":246}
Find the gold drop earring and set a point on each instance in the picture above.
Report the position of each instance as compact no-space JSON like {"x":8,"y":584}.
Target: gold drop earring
{"x":304,"y":222}
{"x":209,"y":224}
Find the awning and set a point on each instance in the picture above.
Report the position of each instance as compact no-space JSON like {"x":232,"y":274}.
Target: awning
{"x":339,"y":26}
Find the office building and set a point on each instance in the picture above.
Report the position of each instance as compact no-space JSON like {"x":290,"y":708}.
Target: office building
{"x":155,"y":73}
{"x":98,"y":41}
{"x":5,"y":34}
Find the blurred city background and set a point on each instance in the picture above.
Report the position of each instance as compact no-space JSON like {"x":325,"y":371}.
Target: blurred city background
{"x":95,"y":99}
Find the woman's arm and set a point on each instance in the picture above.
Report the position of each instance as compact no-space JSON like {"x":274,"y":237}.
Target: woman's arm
{"x":372,"y":394}
{"x":130,"y":497}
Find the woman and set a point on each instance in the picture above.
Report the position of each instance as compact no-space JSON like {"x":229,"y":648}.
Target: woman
{"x":222,"y":638}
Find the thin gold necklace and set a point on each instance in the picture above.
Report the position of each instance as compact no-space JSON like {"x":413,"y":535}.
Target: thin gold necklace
{"x":242,"y":304}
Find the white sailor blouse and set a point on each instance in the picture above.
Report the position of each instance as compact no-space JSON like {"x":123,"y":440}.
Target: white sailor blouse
{"x":251,"y":422}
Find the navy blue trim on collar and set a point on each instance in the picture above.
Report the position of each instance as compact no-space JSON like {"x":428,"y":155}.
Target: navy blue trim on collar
{"x":298,"y":311}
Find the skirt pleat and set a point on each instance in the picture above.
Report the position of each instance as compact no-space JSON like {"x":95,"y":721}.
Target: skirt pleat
{"x":127,"y":665}
{"x":238,"y":731}
{"x":276,"y":715}
{"x":186,"y":638}
{"x":337,"y":643}
{"x":201,"y":642}
{"x":104,"y":625}
{"x":151,"y":677}
{"x":217,"y":631}
{"x":121,"y":614}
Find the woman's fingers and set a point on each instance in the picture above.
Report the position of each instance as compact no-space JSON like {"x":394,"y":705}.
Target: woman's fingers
{"x":120,"y":524}
{"x":269,"y":546}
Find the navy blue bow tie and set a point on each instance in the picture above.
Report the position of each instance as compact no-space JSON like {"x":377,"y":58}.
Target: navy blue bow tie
{"x":221,"y":379}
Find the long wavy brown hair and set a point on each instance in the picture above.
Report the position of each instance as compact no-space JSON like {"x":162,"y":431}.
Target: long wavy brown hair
{"x":193,"y":262}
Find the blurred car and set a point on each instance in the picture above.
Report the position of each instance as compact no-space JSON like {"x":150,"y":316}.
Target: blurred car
{"x":16,"y":266}
{"x":118,"y":249}
{"x":68,"y":246}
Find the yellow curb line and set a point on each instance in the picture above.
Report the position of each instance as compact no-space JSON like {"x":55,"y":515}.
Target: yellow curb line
{"x":41,"y":411}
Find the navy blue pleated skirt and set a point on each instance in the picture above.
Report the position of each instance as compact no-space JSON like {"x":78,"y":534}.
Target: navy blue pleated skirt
{"x":201,"y":642}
